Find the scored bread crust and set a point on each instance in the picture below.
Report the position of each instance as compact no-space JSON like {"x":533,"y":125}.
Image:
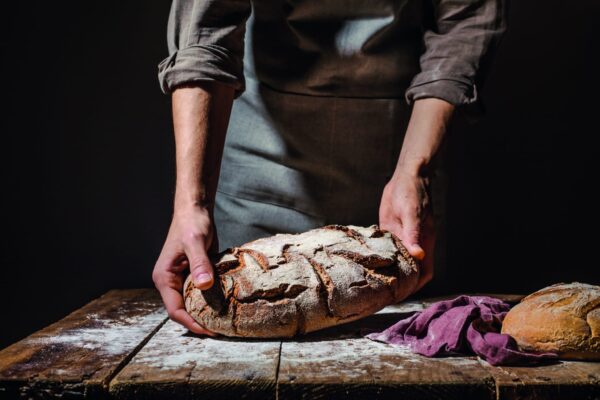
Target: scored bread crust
{"x":290,"y":284}
{"x":563,"y":318}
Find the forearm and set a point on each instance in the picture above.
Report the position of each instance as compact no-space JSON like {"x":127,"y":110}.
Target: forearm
{"x":425,"y":132}
{"x":200,"y":119}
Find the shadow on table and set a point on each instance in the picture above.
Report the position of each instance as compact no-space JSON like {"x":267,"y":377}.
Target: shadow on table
{"x":349,"y":330}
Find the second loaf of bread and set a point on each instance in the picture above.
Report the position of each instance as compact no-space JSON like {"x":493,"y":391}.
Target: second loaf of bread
{"x":563,"y":318}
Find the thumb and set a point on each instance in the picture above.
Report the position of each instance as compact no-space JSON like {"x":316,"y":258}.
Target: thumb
{"x":200,"y":265}
{"x":410,"y":235}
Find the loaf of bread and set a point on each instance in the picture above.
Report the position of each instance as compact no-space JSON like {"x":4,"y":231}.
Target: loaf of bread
{"x":562,"y":318}
{"x":290,"y":284}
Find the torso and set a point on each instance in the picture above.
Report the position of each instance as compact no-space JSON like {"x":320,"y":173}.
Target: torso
{"x":315,"y":136}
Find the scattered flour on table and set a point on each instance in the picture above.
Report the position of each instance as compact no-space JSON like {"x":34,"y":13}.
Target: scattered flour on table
{"x":172,"y":348}
{"x":108,"y":336}
{"x":359,"y":358}
{"x":358,"y":351}
{"x":403,"y":307}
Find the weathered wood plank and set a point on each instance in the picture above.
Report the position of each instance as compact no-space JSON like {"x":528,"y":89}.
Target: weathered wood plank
{"x":405,"y":307}
{"x":340,"y":363}
{"x":573,"y":380}
{"x":77,"y":356}
{"x":177,"y":365}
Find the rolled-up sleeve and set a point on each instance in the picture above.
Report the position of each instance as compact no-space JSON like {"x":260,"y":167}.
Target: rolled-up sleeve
{"x":458,"y":48}
{"x":206,"y":43}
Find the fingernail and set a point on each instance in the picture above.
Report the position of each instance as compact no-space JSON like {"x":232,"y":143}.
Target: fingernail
{"x":202,"y":277}
{"x":418,"y":252}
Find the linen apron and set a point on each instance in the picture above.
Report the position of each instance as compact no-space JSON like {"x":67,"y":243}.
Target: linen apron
{"x":295,"y":161}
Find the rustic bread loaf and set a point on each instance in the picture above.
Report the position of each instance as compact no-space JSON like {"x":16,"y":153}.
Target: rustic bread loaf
{"x":290,"y":284}
{"x":562,"y":318}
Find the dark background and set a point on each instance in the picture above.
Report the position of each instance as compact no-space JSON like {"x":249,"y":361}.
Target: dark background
{"x":88,"y":171}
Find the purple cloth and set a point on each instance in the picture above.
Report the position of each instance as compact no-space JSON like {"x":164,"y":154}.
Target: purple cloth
{"x":464,"y":325}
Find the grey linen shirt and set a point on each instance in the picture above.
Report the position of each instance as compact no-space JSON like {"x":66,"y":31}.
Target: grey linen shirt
{"x":344,"y":48}
{"x":322,"y":88}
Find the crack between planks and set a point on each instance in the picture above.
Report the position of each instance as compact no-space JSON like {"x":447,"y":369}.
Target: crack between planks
{"x":496,"y":388}
{"x":495,"y":384}
{"x":277,"y":370}
{"x":125,"y":361}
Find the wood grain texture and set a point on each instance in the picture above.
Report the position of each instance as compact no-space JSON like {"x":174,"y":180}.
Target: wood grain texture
{"x":77,"y":356}
{"x":572,"y":380}
{"x":177,"y":365}
{"x":340,"y":363}
{"x":118,"y":347}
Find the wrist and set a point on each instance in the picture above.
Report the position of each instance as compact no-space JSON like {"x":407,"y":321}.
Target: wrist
{"x":414,"y":166}
{"x":424,"y":135}
{"x":188,"y":200}
{"x":190,"y":213}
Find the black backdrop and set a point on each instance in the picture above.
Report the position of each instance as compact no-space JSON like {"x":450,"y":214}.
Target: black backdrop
{"x":87,"y":156}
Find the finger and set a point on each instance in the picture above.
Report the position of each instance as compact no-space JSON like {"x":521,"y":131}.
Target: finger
{"x":175,"y":308}
{"x":182,"y":317}
{"x":396,"y":228}
{"x":425,"y":275}
{"x":410,"y":235}
{"x":428,"y":240}
{"x":200,"y":266}
{"x":391,"y":225}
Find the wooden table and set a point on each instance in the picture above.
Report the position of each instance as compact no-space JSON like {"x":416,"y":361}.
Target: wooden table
{"x":122,"y":346}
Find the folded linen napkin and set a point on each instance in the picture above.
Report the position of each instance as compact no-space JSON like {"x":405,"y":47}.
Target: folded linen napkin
{"x":464,"y":325}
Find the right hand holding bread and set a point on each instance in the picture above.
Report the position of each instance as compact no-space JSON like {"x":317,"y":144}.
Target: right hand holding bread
{"x":404,"y":211}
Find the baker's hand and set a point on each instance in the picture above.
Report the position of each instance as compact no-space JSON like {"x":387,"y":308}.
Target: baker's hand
{"x":404,"y":211}
{"x":190,"y":236}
